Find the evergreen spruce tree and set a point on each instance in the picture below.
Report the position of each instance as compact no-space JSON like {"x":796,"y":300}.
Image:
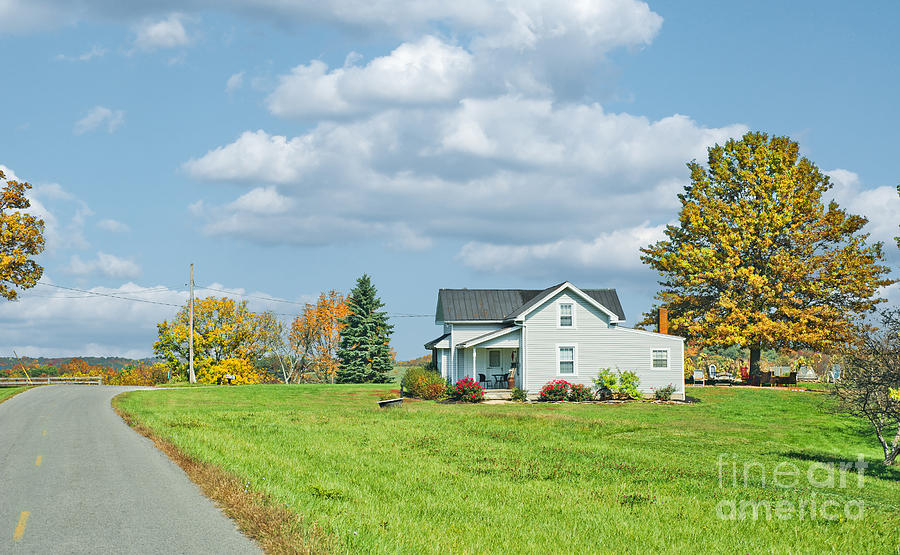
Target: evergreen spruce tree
{"x":365,"y":352}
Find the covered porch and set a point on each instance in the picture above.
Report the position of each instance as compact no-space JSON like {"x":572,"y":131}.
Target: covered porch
{"x":494,"y":366}
{"x":492,"y":359}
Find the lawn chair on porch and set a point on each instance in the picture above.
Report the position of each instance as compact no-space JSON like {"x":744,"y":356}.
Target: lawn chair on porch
{"x":482,"y":379}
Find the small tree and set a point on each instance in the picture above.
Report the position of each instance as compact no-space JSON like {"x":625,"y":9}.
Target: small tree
{"x":870,"y":380}
{"x":315,"y":337}
{"x":365,"y":354}
{"x":21,"y":237}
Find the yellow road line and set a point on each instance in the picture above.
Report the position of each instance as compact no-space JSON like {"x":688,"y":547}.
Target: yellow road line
{"x":37,"y":461}
{"x":20,"y":527}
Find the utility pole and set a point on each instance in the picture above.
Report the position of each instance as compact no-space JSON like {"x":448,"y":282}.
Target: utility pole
{"x":191,"y":377}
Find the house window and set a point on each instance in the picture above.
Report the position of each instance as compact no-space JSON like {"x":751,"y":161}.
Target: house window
{"x":660,"y":358}
{"x":567,"y":360}
{"x":493,"y":359}
{"x":565,"y":315}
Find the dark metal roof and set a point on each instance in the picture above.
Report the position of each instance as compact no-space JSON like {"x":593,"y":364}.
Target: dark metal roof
{"x":434,"y":342}
{"x":499,"y":304}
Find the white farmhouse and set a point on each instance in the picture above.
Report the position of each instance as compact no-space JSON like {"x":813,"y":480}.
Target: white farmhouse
{"x":562,"y":332}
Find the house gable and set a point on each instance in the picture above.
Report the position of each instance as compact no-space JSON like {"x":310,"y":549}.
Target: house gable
{"x":541,"y":300}
{"x":503,"y":305}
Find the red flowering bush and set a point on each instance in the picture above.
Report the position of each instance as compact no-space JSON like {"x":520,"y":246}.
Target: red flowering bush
{"x":467,"y":390}
{"x":578,"y":392}
{"x":557,"y":390}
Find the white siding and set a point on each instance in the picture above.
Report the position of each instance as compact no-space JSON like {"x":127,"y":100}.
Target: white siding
{"x":598,"y":345}
{"x":441,"y":361}
{"x":461,"y":360}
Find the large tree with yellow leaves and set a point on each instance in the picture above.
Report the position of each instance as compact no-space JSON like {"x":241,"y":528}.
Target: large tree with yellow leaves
{"x":21,"y":237}
{"x":758,"y":260}
{"x":223,"y":330}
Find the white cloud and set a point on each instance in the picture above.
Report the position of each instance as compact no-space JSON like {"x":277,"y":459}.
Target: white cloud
{"x":54,"y":322}
{"x":423,"y":72}
{"x":263,"y":201}
{"x":164,"y":33}
{"x":256,"y":156}
{"x":575,"y":137}
{"x":94,"y":52}
{"x":506,"y":22}
{"x":99,"y":116}
{"x":113,"y":226}
{"x":234,"y":82}
{"x":538,"y":173}
{"x":104,"y":264}
{"x":880,"y":205}
{"x":616,"y":252}
{"x":63,"y":214}
{"x":21,"y":16}
{"x":47,"y":321}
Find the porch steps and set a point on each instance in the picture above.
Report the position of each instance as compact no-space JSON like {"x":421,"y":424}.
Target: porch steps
{"x":497,"y":394}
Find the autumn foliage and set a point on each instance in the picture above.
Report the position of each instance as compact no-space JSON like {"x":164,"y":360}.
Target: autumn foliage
{"x":139,"y":373}
{"x":209,"y":372}
{"x":223,"y":329}
{"x":21,"y":237}
{"x":315,"y":336}
{"x":757,"y":258}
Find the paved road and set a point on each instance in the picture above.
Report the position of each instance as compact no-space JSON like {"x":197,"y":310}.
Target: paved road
{"x":92,"y":485}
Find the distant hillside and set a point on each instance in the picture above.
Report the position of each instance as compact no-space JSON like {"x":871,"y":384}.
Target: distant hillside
{"x":116,"y":363}
{"x":421,"y":361}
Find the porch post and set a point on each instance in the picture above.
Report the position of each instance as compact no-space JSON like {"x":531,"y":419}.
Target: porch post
{"x":474,"y":373}
{"x":522,"y":357}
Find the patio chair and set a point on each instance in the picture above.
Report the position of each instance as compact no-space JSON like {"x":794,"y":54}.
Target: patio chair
{"x":745,"y":377}
{"x":698,"y":376}
{"x":765,"y":378}
{"x":835,"y":373}
{"x":482,"y":379}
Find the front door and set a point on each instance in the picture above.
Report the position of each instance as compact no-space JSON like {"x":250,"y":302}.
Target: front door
{"x":493,"y":368}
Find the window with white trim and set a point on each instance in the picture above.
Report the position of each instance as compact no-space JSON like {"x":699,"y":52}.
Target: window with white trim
{"x":660,"y":358}
{"x":567,"y":360}
{"x":493,"y":359}
{"x":566,"y":317}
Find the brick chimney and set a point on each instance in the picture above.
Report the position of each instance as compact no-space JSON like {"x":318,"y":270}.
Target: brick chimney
{"x":662,"y":322}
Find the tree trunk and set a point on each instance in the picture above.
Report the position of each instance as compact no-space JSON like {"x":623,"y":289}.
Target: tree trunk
{"x":890,"y":454}
{"x":755,"y":368}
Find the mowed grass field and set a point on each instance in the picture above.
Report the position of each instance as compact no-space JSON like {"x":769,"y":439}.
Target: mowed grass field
{"x":7,"y":392}
{"x":549,"y":478}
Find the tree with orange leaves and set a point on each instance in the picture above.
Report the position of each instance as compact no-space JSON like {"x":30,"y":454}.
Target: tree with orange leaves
{"x":315,"y":336}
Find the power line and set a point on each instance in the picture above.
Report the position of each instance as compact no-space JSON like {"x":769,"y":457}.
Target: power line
{"x":274,"y":299}
{"x":98,"y":294}
{"x":89,"y":294}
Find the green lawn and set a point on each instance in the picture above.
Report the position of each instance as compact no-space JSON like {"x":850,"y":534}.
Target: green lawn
{"x":7,"y":392}
{"x":432,"y":477}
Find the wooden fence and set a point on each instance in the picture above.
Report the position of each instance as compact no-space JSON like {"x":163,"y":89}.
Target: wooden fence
{"x":85,"y":380}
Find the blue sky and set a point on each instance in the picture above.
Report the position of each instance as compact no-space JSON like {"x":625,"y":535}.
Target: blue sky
{"x":287,"y":147}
